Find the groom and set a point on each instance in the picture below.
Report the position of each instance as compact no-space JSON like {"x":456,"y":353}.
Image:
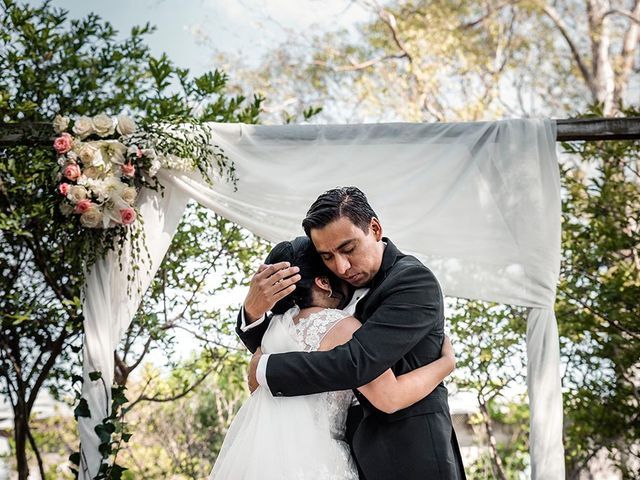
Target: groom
{"x":401,"y":309}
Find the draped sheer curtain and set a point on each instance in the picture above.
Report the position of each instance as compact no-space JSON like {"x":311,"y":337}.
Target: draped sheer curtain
{"x":478,"y":203}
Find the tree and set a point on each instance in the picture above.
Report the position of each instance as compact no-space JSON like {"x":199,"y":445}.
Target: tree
{"x":182,"y":436}
{"x":597,"y":307}
{"x":491,"y":359}
{"x":444,"y":60}
{"x":52,"y":64}
{"x":186,"y":434}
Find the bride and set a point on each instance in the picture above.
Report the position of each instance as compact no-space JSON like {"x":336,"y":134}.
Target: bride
{"x":303,"y":437}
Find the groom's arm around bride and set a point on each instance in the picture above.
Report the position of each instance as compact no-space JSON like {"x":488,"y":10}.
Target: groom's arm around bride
{"x":403,"y":329}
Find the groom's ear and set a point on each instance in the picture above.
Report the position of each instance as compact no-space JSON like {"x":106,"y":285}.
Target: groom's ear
{"x":376,"y":228}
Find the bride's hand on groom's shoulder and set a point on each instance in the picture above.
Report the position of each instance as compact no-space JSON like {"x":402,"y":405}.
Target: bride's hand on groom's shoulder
{"x":270,"y":284}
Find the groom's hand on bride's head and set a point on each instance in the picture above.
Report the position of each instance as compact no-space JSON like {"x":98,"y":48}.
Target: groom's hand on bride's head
{"x":270,"y":284}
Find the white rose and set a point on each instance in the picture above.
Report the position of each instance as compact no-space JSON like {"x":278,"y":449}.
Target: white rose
{"x":73,"y":156}
{"x":91,"y":218}
{"x":113,"y":184}
{"x":129,"y":195}
{"x":126,"y":126}
{"x":77,"y":193}
{"x":87,"y":153}
{"x":103,"y":125}
{"x":91,"y":172}
{"x":66,"y":209}
{"x":83,"y":127}
{"x":60,"y":123}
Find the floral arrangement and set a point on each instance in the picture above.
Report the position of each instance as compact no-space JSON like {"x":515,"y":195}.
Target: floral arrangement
{"x":102,"y":169}
{"x":104,"y":161}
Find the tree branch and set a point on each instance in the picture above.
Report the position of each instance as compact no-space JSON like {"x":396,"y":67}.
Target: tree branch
{"x":122,"y":371}
{"x":361,"y":65}
{"x":179,"y":395}
{"x":564,"y":31}
{"x":36,"y":451}
{"x":144,"y":352}
{"x":629,"y":48}
{"x":631,"y":15}
{"x":56,"y":348}
{"x":390,"y":20}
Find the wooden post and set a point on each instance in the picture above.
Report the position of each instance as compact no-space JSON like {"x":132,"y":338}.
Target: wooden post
{"x":585,"y":129}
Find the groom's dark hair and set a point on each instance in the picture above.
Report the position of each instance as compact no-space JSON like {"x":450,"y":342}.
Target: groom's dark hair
{"x":347,"y":202}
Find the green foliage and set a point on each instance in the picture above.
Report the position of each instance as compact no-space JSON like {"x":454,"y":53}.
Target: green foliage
{"x":493,"y":356}
{"x":491,"y":362}
{"x":597,"y":307}
{"x":447,"y":60}
{"x":195,"y":423}
{"x":52,"y":64}
{"x":512,"y":420}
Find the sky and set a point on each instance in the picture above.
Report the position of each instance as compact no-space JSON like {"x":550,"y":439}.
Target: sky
{"x":245,"y":27}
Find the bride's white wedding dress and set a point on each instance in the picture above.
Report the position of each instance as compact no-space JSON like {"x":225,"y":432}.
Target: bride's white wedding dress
{"x":290,"y":437}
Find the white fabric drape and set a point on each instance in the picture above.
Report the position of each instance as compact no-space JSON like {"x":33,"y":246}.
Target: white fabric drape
{"x":479,"y":203}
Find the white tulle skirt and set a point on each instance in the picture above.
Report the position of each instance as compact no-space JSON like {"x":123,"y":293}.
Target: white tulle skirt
{"x":279,"y":438}
{"x":282,"y":438}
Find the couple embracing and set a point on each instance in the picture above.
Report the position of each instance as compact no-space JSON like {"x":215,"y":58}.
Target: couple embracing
{"x":347,"y":371}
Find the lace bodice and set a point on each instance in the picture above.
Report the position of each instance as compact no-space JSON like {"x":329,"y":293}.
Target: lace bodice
{"x":293,"y":438}
{"x":311,"y":331}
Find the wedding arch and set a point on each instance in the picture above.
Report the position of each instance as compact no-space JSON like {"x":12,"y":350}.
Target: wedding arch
{"x":478,"y":203}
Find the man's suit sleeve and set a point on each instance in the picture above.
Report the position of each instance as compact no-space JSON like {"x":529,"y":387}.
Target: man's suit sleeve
{"x":410,"y":309}
{"x":252,"y":338}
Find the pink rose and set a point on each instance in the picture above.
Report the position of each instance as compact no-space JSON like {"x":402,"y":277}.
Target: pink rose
{"x":72,"y":172}
{"x":82,"y":206}
{"x":128,"y":170}
{"x":127,"y":215}
{"x":139,"y":153}
{"x":63,"y":188}
{"x":63,"y":143}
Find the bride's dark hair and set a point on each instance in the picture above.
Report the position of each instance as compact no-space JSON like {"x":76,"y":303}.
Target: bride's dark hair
{"x":300,"y":252}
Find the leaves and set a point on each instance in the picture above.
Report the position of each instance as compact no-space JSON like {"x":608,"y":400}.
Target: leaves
{"x":54,"y":64}
{"x":82,"y":410}
{"x":597,"y":308}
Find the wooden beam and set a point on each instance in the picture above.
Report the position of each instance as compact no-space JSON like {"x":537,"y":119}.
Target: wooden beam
{"x":585,"y":129}
{"x":590,"y":129}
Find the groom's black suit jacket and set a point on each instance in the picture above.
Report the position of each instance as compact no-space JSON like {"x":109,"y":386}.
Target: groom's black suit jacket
{"x":403,"y":329}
